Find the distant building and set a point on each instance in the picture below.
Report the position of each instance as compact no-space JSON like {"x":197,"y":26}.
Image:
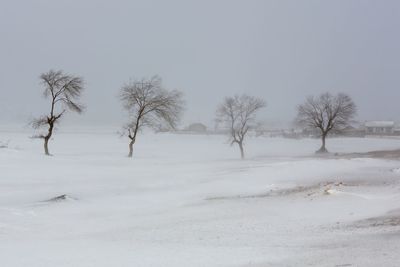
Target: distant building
{"x":397,"y":131}
{"x":351,"y":131}
{"x":380,"y":128}
{"x":197,"y":128}
{"x":311,"y":132}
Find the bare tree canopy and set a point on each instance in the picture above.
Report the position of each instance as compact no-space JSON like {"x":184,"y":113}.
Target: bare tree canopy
{"x":238,"y":114}
{"x":149,"y":104}
{"x":327,"y":113}
{"x":64,"y":91}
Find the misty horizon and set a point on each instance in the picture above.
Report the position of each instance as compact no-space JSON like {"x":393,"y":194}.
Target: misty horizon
{"x":281,"y":51}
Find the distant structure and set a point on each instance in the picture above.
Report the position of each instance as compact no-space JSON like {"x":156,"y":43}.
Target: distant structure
{"x":353,"y":131}
{"x":263,"y":129}
{"x":197,"y":128}
{"x":380,"y":128}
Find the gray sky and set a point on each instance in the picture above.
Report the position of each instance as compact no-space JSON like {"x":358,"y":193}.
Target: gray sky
{"x":280,"y":50}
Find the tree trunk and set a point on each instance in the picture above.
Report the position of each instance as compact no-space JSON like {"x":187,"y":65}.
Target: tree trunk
{"x":133,"y":137}
{"x":323,"y":147}
{"x":46,"y":146}
{"x":131,"y":148}
{"x":47,"y":138}
{"x":241,"y":150}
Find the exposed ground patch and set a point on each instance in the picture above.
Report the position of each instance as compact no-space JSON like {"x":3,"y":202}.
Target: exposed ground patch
{"x":390,"y":219}
{"x":60,"y":198}
{"x":306,"y":191}
{"x":380,"y":154}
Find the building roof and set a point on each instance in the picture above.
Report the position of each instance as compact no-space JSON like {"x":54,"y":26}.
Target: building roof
{"x":197,"y":127}
{"x":379,"y":124}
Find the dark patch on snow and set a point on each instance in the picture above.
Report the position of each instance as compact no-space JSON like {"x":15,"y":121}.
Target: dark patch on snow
{"x":4,"y":144}
{"x":60,"y":198}
{"x":390,"y":219}
{"x":380,"y":154}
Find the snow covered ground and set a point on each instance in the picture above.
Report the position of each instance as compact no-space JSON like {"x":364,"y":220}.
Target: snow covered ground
{"x":187,"y":200}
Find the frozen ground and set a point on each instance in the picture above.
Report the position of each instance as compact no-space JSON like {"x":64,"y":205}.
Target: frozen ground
{"x":186,"y":200}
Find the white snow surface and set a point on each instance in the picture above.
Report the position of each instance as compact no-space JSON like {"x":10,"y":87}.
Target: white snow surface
{"x":187,"y":200}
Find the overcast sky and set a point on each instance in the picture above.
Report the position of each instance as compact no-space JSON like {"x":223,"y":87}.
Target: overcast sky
{"x":281,"y":51}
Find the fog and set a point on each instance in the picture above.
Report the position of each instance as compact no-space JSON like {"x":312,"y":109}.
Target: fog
{"x":235,"y":182}
{"x":281,"y":51}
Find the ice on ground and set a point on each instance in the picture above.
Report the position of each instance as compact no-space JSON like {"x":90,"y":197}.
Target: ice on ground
{"x":187,"y":200}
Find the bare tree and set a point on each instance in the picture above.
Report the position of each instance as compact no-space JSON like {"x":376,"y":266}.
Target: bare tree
{"x":238,"y":114}
{"x":149,"y":104}
{"x":327,"y":113}
{"x":64,"y":91}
